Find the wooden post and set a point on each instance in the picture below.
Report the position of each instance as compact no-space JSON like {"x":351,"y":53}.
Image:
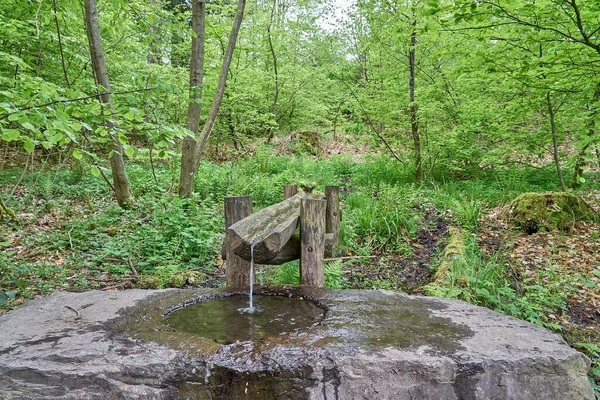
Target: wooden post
{"x":289,"y":191}
{"x":312,"y":242}
{"x":333,"y":218}
{"x":237,"y":270}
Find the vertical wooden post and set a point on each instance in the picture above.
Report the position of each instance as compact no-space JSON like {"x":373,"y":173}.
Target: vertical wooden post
{"x":289,"y":191}
{"x":237,"y":270}
{"x":312,"y":242}
{"x":333,"y":218}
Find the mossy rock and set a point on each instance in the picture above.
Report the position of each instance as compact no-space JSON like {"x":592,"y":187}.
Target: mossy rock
{"x":186,"y":278}
{"x":540,"y":212}
{"x":150,"y":282}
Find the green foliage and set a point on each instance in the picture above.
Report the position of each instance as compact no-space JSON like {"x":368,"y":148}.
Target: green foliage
{"x":381,"y":220}
{"x":289,"y":274}
{"x":490,"y":283}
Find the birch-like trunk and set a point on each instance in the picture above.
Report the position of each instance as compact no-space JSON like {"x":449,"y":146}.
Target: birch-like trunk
{"x":552,"y":117}
{"x":188,"y":148}
{"x":214,"y":109}
{"x":414,"y":122}
{"x":117,"y":164}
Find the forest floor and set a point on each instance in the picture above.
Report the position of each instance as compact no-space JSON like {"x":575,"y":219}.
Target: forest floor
{"x":70,"y":235}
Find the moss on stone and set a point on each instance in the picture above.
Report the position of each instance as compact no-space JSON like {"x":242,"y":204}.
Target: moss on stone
{"x":533,"y":212}
{"x":150,"y":282}
{"x":184,"y":278}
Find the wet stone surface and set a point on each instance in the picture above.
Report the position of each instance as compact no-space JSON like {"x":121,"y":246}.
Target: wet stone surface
{"x":227,"y":320}
{"x":354,"y":345}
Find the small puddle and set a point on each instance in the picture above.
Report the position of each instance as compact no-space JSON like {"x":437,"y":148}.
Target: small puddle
{"x":224,"y":321}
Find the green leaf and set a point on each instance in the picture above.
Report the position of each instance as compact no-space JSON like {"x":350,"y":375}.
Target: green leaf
{"x":95,"y":171}
{"x":61,"y":116}
{"x":10,"y":134}
{"x":77,"y":154}
{"x":28,"y":125}
{"x":128,"y":150}
{"x":28,"y":146}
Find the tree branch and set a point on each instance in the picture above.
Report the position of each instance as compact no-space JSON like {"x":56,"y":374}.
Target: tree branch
{"x":92,"y":96}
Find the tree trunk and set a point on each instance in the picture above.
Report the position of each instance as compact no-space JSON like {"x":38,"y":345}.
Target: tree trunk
{"x":188,"y":148}
{"x":214,"y":110}
{"x":153,"y":53}
{"x":580,"y":163}
{"x":117,"y":164}
{"x":555,"y":141}
{"x":414,"y":122}
{"x":275,"y":72}
{"x":60,"y":46}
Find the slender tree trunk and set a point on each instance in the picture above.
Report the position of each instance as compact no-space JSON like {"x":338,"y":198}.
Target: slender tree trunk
{"x":580,"y":163}
{"x":188,"y":149}
{"x":152,"y":47}
{"x":414,"y":122}
{"x":60,"y":46}
{"x":276,"y":74}
{"x":117,"y":164}
{"x":555,"y":154}
{"x":214,"y":110}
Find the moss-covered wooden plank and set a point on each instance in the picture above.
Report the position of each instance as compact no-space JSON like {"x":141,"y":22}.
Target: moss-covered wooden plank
{"x":268,"y":230}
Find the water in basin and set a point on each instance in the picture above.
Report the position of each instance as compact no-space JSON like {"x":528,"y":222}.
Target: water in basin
{"x":224,"y":320}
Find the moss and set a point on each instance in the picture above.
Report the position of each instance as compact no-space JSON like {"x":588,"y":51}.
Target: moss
{"x":150,"y":282}
{"x":453,"y":251}
{"x":577,"y":334}
{"x":184,"y":278}
{"x":533,"y":212}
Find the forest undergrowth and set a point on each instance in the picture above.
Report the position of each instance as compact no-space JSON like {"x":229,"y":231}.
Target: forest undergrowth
{"x":69,"y":234}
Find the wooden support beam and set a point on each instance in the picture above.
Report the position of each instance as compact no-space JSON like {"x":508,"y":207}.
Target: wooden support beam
{"x":268,"y":230}
{"x":289,"y":191}
{"x":332,"y":219}
{"x":237,"y":270}
{"x":289,"y":252}
{"x":312,"y":242}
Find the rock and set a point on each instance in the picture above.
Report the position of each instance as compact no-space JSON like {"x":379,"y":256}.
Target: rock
{"x":370,"y":345}
{"x":533,"y":212}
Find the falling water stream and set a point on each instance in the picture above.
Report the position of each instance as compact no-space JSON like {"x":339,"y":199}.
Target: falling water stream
{"x":250,"y":308}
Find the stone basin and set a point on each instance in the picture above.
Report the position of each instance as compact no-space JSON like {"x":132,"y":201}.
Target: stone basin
{"x":368,"y":345}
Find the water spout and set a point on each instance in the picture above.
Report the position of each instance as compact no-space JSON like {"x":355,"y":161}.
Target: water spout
{"x":250,"y":308}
